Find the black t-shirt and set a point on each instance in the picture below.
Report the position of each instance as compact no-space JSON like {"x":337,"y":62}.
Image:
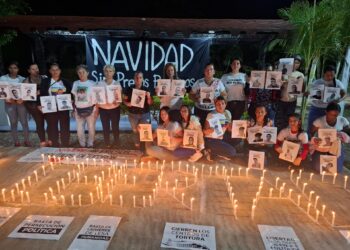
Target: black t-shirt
{"x":136,"y":110}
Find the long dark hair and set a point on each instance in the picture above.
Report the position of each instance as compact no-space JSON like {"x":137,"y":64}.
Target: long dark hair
{"x":189,"y":114}
{"x":300,"y":127}
{"x":165,"y":76}
{"x":166,"y":109}
{"x":266,"y":117}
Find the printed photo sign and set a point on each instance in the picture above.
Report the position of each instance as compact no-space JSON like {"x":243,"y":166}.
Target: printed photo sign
{"x":163,"y":138}
{"x":239,"y":129}
{"x":290,"y":151}
{"x":138,"y":98}
{"x":286,"y":65}
{"x":164,"y":86}
{"x":145,"y":132}
{"x":257,"y":79}
{"x":190,"y":138}
{"x":28,"y":91}
{"x":64,"y":102}
{"x":328,"y":164}
{"x":256,"y":160}
{"x":48,"y":104}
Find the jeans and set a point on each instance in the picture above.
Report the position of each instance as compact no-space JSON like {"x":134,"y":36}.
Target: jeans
{"x":135,"y":120}
{"x":284,"y":109}
{"x":108,"y":117}
{"x":236,"y":109}
{"x":38,"y":117}
{"x":52,"y":120}
{"x":81,"y":122}
{"x":164,"y":154}
{"x":314,"y":114}
{"x":17,"y":112}
{"x":220,"y":147}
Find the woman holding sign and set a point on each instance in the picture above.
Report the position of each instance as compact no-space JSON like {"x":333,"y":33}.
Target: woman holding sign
{"x":138,"y":115}
{"x":169,"y":145}
{"x":53,"y":86}
{"x":331,"y":120}
{"x":110,"y":112}
{"x":14,"y":106}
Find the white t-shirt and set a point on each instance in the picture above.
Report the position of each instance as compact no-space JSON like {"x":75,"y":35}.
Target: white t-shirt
{"x":286,"y":134}
{"x":7,"y":78}
{"x":234,"y":85}
{"x":224,"y":119}
{"x":339,"y":125}
{"x":218,"y":87}
{"x":82,"y":93}
{"x":320,"y":103}
{"x":285,"y":97}
{"x":103,"y":83}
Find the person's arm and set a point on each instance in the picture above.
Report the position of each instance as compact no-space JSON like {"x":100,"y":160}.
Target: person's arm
{"x":207,"y":129}
{"x":278,"y":146}
{"x":149,"y":98}
{"x":126,"y":100}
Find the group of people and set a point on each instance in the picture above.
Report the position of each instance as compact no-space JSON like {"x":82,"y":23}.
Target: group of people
{"x":232,"y":98}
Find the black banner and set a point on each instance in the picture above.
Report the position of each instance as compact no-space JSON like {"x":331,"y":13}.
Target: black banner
{"x":149,"y":56}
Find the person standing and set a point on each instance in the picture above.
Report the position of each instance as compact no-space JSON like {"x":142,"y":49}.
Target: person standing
{"x":109,"y":112}
{"x":85,"y":110}
{"x":52,"y":86}
{"x":15,"y":108}
{"x":138,"y":115}
{"x":32,"y":106}
{"x":237,"y":89}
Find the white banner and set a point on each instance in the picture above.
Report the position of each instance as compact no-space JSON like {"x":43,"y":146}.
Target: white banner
{"x":6,"y":213}
{"x":42,"y":227}
{"x":96,"y":234}
{"x":278,"y":237}
{"x":188,"y":236}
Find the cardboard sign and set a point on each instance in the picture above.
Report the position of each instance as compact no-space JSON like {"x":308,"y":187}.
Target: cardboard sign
{"x":96,"y":234}
{"x":42,"y":227}
{"x":278,"y":237}
{"x":188,"y":236}
{"x":6,"y":213}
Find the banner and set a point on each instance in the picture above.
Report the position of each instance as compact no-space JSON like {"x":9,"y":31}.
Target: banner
{"x":6,"y":213}
{"x":188,"y":236}
{"x":96,"y":234}
{"x":42,"y":227}
{"x":147,"y":55}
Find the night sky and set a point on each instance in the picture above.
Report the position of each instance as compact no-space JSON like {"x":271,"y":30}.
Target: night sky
{"x":249,"y":9}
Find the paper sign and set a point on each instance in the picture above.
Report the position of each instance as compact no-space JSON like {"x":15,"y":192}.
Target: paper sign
{"x":331,"y":94}
{"x":4,"y":90}
{"x":163,"y":138}
{"x":239,"y":129}
{"x":273,"y":79}
{"x":163,"y":86}
{"x":256,"y":159}
{"x":114,"y":93}
{"x":216,"y":125}
{"x":48,"y":104}
{"x":64,"y":102}
{"x":178,"y":88}
{"x":269,"y":135}
{"x":327,"y":136}
{"x":328,"y":164}
{"x":6,"y":213}
{"x":206,"y":95}
{"x":255,"y":135}
{"x":290,"y":151}
{"x":190,"y":138}
{"x":138,"y":98}
{"x":15,"y":91}
{"x":99,"y":95}
{"x":188,"y":236}
{"x":145,"y":132}
{"x":286,"y":65}
{"x":28,"y":91}
{"x":96,"y":234}
{"x":42,"y":227}
{"x":278,"y":237}
{"x":257,"y":79}
{"x":295,"y":86}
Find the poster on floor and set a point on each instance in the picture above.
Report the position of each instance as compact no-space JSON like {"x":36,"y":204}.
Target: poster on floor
{"x":138,"y":98}
{"x":328,"y":164}
{"x":279,"y":237}
{"x":188,"y":236}
{"x":28,"y":91}
{"x":99,"y":95}
{"x":290,"y":151}
{"x":42,"y":227}
{"x":64,"y":102}
{"x":327,"y":137}
{"x":257,"y":79}
{"x":178,"y":88}
{"x":256,"y":160}
{"x":4,"y":91}
{"x":239,"y":129}
{"x":48,"y":104}
{"x":273,"y":80}
{"x":145,"y":132}
{"x":6,"y":213}
{"x":114,"y":93}
{"x":286,"y":65}
{"x":269,"y":135}
{"x":96,"y":234}
{"x":190,"y":139}
{"x":163,"y":137}
{"x":163,"y":87}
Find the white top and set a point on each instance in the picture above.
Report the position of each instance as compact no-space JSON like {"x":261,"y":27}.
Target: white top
{"x":218,"y":87}
{"x":285,"y":97}
{"x":234,"y":85}
{"x":339,"y":125}
{"x":224,"y":118}
{"x":174,"y":128}
{"x":320,"y":103}
{"x":83,"y":99}
{"x":7,"y":78}
{"x":103,"y":83}
{"x":286,"y":134}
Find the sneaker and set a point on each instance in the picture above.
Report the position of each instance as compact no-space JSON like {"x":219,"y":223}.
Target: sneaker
{"x":195,"y":157}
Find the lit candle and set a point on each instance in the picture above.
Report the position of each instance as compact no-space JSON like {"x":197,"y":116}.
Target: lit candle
{"x":316,"y":200}
{"x":134,"y":200}
{"x":334,"y":178}
{"x":300,"y":171}
{"x":166,"y":186}
{"x":121,"y":200}
{"x":192,"y":200}
{"x":125,"y":178}
{"x":63,"y":200}
{"x":108,"y":189}
{"x":179,"y":165}
{"x":235,"y":211}
{"x":51,"y":165}
{"x":29,"y":181}
{"x":270,"y":193}
{"x":232,"y":196}
{"x":317,"y":214}
{"x":253,"y":212}
{"x":210,"y":170}
{"x":176,"y":183}
{"x":101,"y":195}
{"x":103,"y":175}
{"x":134,"y":180}
{"x":290,"y":193}
{"x":231,"y":172}
{"x":78,"y":178}
{"x":23,"y":184}
{"x":297,"y":182}
{"x":299,"y":197}
{"x":174,"y":191}
{"x":291,"y":174}
{"x":51,"y":192}
{"x":69,"y":178}
{"x":43,"y":157}
{"x":94,"y":161}
{"x":150,"y":198}
{"x":22,"y":196}
{"x":156,"y":165}
{"x":187,"y":168}
{"x":172,"y":166}
{"x":95,"y":178}
{"x":91,"y":198}
{"x":182,"y":198}
{"x":72,"y":199}
{"x":86,"y":182}
{"x":79,"y":200}
{"x":3,"y":194}
{"x":264,"y":172}
{"x":333,"y":218}
{"x":239,"y":171}
{"x":281,"y":190}
{"x":323,"y":209}
{"x":345,"y":181}
{"x":154,"y":193}
{"x":323,"y":174}
{"x":46,"y":199}
{"x":97,"y":193}
{"x":36,"y":176}
{"x":304,"y":186}
{"x":13,"y":195}
{"x":254,"y":201}
{"x":310,"y":194}
{"x":277,"y":179}
{"x":63,"y":184}
{"x":308,"y":208}
{"x":186,"y":179}
{"x":58,"y":187}
{"x":311,"y":175}
{"x":17,"y":188}
{"x":144,"y":201}
{"x":247,"y":172}
{"x":54,"y":200}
